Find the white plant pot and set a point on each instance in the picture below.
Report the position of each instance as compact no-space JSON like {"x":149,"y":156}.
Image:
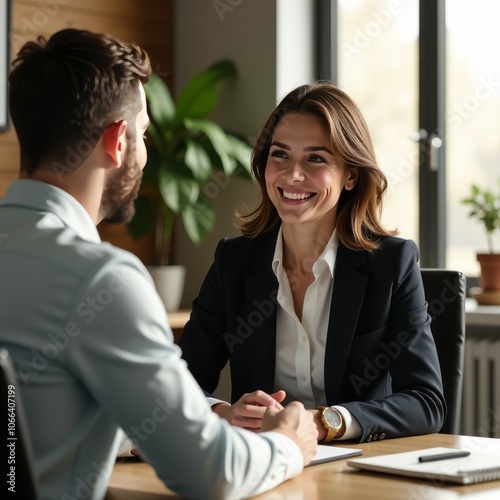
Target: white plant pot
{"x":169,"y":282}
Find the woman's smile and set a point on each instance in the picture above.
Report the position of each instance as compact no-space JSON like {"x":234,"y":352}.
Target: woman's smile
{"x":293,"y":195}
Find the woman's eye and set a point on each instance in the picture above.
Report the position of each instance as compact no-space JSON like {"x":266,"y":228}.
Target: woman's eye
{"x":316,"y":159}
{"x":278,"y":154}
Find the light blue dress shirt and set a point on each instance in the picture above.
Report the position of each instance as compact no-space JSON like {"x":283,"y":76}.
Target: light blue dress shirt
{"x":94,"y":353}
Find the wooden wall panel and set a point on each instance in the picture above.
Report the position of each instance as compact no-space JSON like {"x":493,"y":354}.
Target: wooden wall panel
{"x":149,"y":23}
{"x":25,"y":25}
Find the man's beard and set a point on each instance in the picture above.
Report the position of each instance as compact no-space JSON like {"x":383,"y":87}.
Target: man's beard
{"x":121,"y":189}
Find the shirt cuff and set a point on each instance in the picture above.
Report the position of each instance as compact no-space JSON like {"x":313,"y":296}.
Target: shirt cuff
{"x":214,"y":401}
{"x":125,"y":447}
{"x":288,"y":460}
{"x":352,"y":428}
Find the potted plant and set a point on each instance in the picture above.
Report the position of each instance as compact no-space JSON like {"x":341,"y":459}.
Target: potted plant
{"x":485,"y":207}
{"x":186,"y":151}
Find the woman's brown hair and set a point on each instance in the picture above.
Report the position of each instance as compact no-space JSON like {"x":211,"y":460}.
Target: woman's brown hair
{"x":358,"y":215}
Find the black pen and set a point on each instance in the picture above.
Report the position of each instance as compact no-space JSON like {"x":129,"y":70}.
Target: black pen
{"x":444,"y":456}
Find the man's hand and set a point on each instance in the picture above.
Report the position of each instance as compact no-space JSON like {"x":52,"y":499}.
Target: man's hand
{"x":248,"y":411}
{"x":297,"y":423}
{"x":319,"y":424}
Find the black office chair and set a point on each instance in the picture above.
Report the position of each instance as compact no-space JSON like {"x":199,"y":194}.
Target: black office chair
{"x":445,"y":292}
{"x":16,"y":436}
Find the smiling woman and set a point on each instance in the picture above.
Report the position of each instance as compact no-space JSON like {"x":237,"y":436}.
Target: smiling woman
{"x":305,"y":303}
{"x":323,"y":117}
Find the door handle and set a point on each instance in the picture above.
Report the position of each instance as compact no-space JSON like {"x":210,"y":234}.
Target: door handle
{"x":435,"y":144}
{"x":432,"y":143}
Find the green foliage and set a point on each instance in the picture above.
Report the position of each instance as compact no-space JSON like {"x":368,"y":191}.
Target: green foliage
{"x":485,"y":207}
{"x":186,"y":150}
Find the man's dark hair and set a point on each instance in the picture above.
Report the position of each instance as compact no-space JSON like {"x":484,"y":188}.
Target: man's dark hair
{"x":64,"y":91}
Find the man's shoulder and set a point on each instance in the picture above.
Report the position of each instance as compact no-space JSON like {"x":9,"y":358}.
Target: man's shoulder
{"x":77,"y":255}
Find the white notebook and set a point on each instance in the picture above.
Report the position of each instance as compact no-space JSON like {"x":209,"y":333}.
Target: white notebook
{"x":475,"y":468}
{"x":327,"y":453}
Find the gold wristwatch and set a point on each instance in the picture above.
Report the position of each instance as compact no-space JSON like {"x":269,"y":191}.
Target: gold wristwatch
{"x":332,"y":421}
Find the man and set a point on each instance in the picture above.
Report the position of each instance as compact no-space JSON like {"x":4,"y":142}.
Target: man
{"x":92,"y":347}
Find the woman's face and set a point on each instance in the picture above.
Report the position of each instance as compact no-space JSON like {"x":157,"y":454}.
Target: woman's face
{"x":304,"y":176}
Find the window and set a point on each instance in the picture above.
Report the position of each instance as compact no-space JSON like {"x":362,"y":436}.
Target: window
{"x":377,"y":64}
{"x":473,"y":122}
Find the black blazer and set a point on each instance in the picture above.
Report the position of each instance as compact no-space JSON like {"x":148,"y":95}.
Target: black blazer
{"x":380,"y":361}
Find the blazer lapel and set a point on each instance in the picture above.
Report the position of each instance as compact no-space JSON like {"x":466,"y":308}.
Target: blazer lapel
{"x":261,"y":289}
{"x":348,"y":291}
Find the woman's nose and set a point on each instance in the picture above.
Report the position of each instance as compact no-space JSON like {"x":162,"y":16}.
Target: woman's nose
{"x":294,"y":172}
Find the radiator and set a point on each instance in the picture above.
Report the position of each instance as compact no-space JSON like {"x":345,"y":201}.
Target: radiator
{"x":481,"y":388}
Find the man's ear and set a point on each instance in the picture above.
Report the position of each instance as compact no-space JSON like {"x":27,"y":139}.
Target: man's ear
{"x":352,"y":179}
{"x":114,"y":141}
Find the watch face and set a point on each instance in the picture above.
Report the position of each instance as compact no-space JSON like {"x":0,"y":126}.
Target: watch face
{"x":332,"y":418}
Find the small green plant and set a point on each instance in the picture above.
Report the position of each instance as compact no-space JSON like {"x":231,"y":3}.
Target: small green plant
{"x":185,"y":153}
{"x":486,"y":209}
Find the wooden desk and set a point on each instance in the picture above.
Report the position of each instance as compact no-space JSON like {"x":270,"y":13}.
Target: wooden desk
{"x":177,"y":319}
{"x":137,"y":481}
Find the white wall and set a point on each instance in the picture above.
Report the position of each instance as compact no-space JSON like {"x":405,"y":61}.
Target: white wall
{"x":271,"y":43}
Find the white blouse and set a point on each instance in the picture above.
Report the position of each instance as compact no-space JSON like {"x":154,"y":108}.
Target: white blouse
{"x":300,"y":345}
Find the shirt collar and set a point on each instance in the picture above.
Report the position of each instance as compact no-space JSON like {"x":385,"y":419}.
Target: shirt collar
{"x":278,"y":254}
{"x":326,"y":259}
{"x":43,"y":197}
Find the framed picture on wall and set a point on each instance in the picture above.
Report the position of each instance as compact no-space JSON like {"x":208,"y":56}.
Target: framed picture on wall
{"x":4,"y":61}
